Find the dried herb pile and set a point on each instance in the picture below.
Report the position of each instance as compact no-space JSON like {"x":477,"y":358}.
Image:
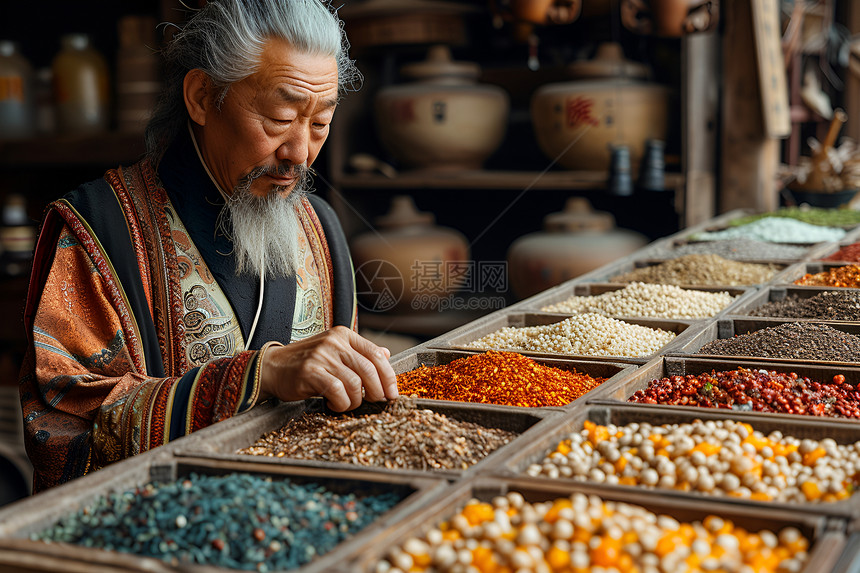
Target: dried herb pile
{"x":401,"y":436}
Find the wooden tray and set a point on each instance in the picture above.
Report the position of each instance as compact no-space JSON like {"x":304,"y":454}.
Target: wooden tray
{"x":535,"y":304}
{"x":660,"y":254}
{"x":828,"y":249}
{"x":458,"y":339}
{"x":608,"y":273}
{"x":528,"y":423}
{"x":776,"y":294}
{"x":19,"y":520}
{"x":612,"y":371}
{"x":827,"y":535}
{"x":667,"y":366}
{"x":849,"y":562}
{"x":800,"y":427}
{"x":729,"y":327}
{"x":800,"y":270}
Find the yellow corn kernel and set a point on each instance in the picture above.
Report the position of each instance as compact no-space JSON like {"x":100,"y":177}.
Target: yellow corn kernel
{"x":596,"y":432}
{"x":422,"y":560}
{"x":811,"y":490}
{"x":479,"y":513}
{"x":809,"y":458}
{"x":626,"y":564}
{"x":707,"y":448}
{"x":559,"y":504}
{"x":606,"y":554}
{"x":557,"y":558}
{"x":666,"y":545}
{"x":483,"y":560}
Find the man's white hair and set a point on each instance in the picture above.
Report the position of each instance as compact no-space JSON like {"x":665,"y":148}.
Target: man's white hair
{"x":225,"y":39}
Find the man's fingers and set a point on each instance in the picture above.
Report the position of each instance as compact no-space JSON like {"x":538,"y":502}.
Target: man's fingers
{"x":338,"y":365}
{"x":378,"y":356}
{"x":369,"y":375}
{"x":342,"y":395}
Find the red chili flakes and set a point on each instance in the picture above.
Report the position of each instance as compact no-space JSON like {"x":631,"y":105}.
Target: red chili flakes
{"x":501,"y":378}
{"x":848,"y":253}
{"x":847,"y":276}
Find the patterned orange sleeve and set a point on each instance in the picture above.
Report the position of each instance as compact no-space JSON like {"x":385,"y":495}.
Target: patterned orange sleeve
{"x":86,"y":403}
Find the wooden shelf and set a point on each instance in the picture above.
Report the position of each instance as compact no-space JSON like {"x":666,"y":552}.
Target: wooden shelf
{"x":111,"y":148}
{"x":582,"y":180}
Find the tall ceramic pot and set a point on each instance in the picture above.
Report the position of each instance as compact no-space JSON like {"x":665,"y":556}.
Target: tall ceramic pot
{"x":444,"y":119}
{"x":577,"y":122}
{"x":574,"y":241}
{"x":407,"y":262}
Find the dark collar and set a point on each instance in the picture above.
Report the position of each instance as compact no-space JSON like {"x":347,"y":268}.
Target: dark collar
{"x":198,"y":202}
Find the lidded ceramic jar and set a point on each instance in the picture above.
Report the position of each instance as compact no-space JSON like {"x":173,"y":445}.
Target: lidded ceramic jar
{"x":406,"y":259}
{"x":444,"y":119}
{"x":575,"y":241}
{"x":608,"y":104}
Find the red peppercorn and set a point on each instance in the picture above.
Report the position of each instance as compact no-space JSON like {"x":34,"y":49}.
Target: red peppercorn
{"x":762,"y":391}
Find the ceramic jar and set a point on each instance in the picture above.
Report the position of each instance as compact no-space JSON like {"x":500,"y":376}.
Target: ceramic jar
{"x":575,"y":241}
{"x":374,"y":23}
{"x":670,"y":18}
{"x":609,"y":104}
{"x":407,"y":260}
{"x":444,"y":119}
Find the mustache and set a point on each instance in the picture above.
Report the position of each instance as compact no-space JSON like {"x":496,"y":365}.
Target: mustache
{"x":299,"y":171}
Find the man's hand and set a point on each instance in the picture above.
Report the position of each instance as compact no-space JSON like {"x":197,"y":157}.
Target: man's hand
{"x":336,"y":364}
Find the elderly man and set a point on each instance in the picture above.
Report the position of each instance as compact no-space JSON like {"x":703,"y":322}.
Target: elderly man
{"x":186,"y":288}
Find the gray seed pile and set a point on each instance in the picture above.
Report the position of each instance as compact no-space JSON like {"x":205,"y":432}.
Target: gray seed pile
{"x":792,"y":340}
{"x":401,"y":436}
{"x":828,"y":305}
{"x":701,"y":270}
{"x":775,"y":230}
{"x":735,"y":249}
{"x":236,"y":521}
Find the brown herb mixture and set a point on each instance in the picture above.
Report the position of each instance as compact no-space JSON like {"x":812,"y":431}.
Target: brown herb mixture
{"x":401,"y":436}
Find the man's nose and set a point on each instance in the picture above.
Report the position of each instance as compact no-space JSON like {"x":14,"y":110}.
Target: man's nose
{"x":294,"y":148}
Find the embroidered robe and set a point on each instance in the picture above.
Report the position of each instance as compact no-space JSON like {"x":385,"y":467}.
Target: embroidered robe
{"x":137,"y":321}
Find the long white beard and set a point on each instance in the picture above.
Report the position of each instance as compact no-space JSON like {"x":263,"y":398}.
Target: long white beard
{"x":265,"y":230}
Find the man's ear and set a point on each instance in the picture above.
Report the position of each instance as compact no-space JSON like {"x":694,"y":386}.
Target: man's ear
{"x":196,"y":89}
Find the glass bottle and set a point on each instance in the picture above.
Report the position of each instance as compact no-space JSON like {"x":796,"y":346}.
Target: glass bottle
{"x":16,"y":76}
{"x":81,"y":88}
{"x":17,"y":237}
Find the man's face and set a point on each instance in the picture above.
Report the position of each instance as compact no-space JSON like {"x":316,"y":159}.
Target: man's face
{"x":272,"y":123}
